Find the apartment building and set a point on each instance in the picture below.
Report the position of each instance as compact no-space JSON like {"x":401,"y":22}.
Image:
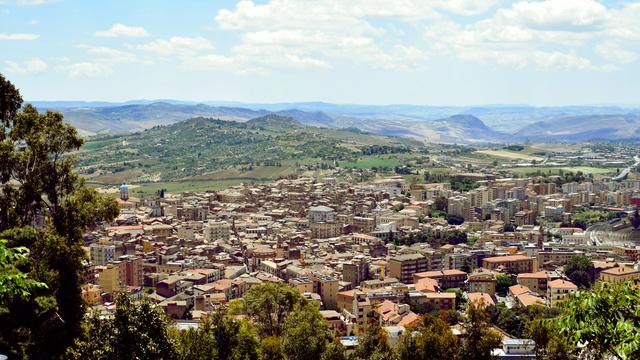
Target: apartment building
{"x":402,"y":267}
{"x":514,"y":264}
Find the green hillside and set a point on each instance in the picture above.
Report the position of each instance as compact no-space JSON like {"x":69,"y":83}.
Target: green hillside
{"x":270,"y":146}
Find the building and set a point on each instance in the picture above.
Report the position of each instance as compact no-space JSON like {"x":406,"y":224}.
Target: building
{"x":325,"y":230}
{"x":514,"y":264}
{"x":441,"y":301}
{"x":559,"y":290}
{"x":321,"y":214}
{"x":216,"y":231}
{"x":110,"y":278}
{"x":102,"y":253}
{"x":402,"y":267}
{"x":537,"y":281}
{"x":446,"y":278}
{"x":482,"y":282}
{"x":355,"y":271}
{"x":619,"y":274}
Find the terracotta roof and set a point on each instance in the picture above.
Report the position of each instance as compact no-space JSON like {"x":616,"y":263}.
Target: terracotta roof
{"x":482,"y":299}
{"x":562,"y":284}
{"x":498,"y":259}
{"x":528,"y":299}
{"x":535,"y":275}
{"x":518,"y":289}
{"x":620,"y":270}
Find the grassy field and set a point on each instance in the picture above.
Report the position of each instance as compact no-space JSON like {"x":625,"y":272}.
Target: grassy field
{"x":371,"y":162}
{"x":181,"y":186}
{"x":511,"y":155}
{"x":556,"y":170}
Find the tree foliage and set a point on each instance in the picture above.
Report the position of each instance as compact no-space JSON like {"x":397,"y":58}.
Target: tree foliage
{"x":580,"y":270}
{"x":605,"y":321}
{"x":269,"y":305}
{"x":136,"y":331}
{"x":480,"y":339}
{"x":45,"y":208}
{"x":433,"y":341}
{"x":306,"y":334}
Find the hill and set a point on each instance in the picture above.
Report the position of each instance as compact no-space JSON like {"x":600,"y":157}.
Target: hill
{"x":201,"y":146}
{"x":584,"y":128}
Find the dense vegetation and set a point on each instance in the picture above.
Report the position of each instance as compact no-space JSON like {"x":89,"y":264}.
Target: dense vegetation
{"x":202,"y":145}
{"x":44,"y":211}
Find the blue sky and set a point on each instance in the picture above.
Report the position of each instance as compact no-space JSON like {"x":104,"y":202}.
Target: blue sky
{"x":433,"y":52}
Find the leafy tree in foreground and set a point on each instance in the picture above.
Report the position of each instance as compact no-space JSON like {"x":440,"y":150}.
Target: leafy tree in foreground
{"x":13,"y":282}
{"x":434,"y":341}
{"x":136,"y":331}
{"x":334,"y":351}
{"x":45,"y":208}
{"x":270,"y":304}
{"x":373,"y":344}
{"x":272,"y":349}
{"x":605,"y":321}
{"x":305,"y":334}
{"x":579,"y":269}
{"x":480,"y":339}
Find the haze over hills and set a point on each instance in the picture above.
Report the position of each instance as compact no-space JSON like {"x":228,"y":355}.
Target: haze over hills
{"x":491,"y":123}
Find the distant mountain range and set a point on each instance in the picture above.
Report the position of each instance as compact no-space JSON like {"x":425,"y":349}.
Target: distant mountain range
{"x":492,"y":123}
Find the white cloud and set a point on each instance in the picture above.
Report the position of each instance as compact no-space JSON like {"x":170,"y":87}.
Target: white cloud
{"x":110,"y":55}
{"x":177,"y":46}
{"x":33,"y":2}
{"x":548,"y":34}
{"x":562,"y":15}
{"x":18,"y":36}
{"x":120,"y":30}
{"x":31,"y":66}
{"x":614,"y":52}
{"x":86,"y":69}
{"x":307,"y":34}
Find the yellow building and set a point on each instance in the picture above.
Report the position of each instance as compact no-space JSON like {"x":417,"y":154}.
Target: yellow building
{"x":110,"y":278}
{"x":559,"y":290}
{"x":619,"y":274}
{"x":514,"y":264}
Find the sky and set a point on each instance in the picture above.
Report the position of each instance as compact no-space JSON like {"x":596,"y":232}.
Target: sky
{"x":427,"y":52}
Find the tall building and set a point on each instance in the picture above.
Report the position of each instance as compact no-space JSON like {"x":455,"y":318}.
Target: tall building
{"x":402,"y":267}
{"x":318,"y":214}
{"x":102,"y":253}
{"x":217,"y":231}
{"x":355,"y":271}
{"x":124,"y":192}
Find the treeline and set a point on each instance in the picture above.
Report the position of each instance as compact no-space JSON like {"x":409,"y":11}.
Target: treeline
{"x":384,"y":149}
{"x":273,"y":321}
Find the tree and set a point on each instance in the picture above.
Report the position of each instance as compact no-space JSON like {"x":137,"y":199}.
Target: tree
{"x":270,"y":304}
{"x":605,"y":321}
{"x":434,"y":341}
{"x":45,"y":208}
{"x":195,"y":344}
{"x":455,"y":220}
{"x":480,"y":338}
{"x":136,"y":331}
{"x":271,"y":349}
{"x":334,"y":351}
{"x":373,"y":344}
{"x":580,"y":270}
{"x":441,"y":203}
{"x":305,"y":334}
{"x":503,"y":282}
{"x":13,"y":282}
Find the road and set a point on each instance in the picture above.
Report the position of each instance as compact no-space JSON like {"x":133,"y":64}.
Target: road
{"x":624,"y":173}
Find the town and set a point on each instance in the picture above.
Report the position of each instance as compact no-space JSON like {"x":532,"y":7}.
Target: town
{"x":384,"y":250}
